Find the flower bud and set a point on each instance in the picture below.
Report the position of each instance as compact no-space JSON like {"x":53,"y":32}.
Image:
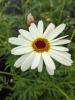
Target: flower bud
{"x":30,"y":19}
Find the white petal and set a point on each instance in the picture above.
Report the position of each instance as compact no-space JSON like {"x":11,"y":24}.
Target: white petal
{"x":20,"y":36}
{"x":48,"y":61}
{"x":61,"y":57}
{"x":27,"y":62}
{"x":60,"y":42}
{"x":50,"y":66}
{"x":60,"y":48}
{"x":18,"y":41}
{"x":50,"y":71}
{"x":33,"y":30}
{"x":20,"y":60}
{"x":62,"y":54}
{"x":40,"y":66}
{"x":57,"y":31}
{"x":49,"y":29}
{"x":67,"y":54}
{"x":21,"y":50}
{"x":36,"y":60}
{"x":58,"y":38}
{"x":25,"y":34}
{"x":40,"y":27}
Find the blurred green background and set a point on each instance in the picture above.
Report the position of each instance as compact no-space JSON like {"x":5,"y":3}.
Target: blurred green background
{"x":31,"y":85}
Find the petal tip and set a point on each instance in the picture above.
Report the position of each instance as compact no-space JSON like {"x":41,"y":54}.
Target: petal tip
{"x":9,"y":40}
{"x":32,"y":67}
{"x":22,"y":69}
{"x":20,"y":30}
{"x":40,"y":20}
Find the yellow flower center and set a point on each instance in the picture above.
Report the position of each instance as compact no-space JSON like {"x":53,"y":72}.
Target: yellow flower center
{"x":41,"y":45}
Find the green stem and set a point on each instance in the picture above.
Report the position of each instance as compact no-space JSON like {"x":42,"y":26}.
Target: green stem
{"x":62,"y":92}
{"x":72,"y":34}
{"x":10,"y":74}
{"x":6,"y":73}
{"x":60,"y":16}
{"x":7,"y":87}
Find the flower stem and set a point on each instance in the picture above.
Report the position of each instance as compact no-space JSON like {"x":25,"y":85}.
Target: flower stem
{"x":6,"y":73}
{"x":72,"y":34}
{"x":7,"y":87}
{"x":10,"y":74}
{"x":62,"y":92}
{"x":61,"y":13}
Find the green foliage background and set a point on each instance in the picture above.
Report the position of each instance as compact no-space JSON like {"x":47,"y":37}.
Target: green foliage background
{"x":31,"y":85}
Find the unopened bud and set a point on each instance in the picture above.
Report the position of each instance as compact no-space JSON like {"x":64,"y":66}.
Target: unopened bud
{"x":30,"y":19}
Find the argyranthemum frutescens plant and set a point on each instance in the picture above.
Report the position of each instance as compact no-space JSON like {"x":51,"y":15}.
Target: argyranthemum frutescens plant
{"x":37,"y":46}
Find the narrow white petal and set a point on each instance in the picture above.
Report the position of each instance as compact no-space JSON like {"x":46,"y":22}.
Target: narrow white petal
{"x":40,"y":27}
{"x":62,"y":54}
{"x":57,"y":31}
{"x":67,"y":54}
{"x":62,"y":37}
{"x":33,"y":30}
{"x":21,"y":50}
{"x":60,"y":42}
{"x":50,"y":71}
{"x":20,"y":60}
{"x":25,"y":34}
{"x":40,"y":66}
{"x":49,"y":29}
{"x":60,"y":48}
{"x":18,"y":41}
{"x":20,"y":36}
{"x":50,"y":66}
{"x":61,"y":57}
{"x":48,"y":61}
{"x":27,"y":62}
{"x":36,"y":60}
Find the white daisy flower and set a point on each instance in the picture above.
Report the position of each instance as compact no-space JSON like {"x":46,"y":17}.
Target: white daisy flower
{"x":37,"y":47}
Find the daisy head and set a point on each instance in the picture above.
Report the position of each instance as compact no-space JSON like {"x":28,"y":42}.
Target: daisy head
{"x":38,"y":46}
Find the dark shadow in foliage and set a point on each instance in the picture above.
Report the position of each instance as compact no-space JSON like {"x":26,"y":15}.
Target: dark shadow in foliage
{"x":14,"y":9}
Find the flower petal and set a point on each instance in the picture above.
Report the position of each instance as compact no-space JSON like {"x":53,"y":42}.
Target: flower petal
{"x":40,"y":27}
{"x":60,"y":42}
{"x":36,"y":60}
{"x":50,"y":66}
{"x":49,"y":29}
{"x":27,"y":62}
{"x":21,"y":50}
{"x":33,"y":30}
{"x":61,"y":57}
{"x":50,"y":71}
{"x":57,"y":31}
{"x":18,"y":41}
{"x":60,"y":48}
{"x":67,"y":54}
{"x":62,"y":37}
{"x":40,"y":66}
{"x":20,"y":36}
{"x":20,"y":60}
{"x":26,"y":34}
